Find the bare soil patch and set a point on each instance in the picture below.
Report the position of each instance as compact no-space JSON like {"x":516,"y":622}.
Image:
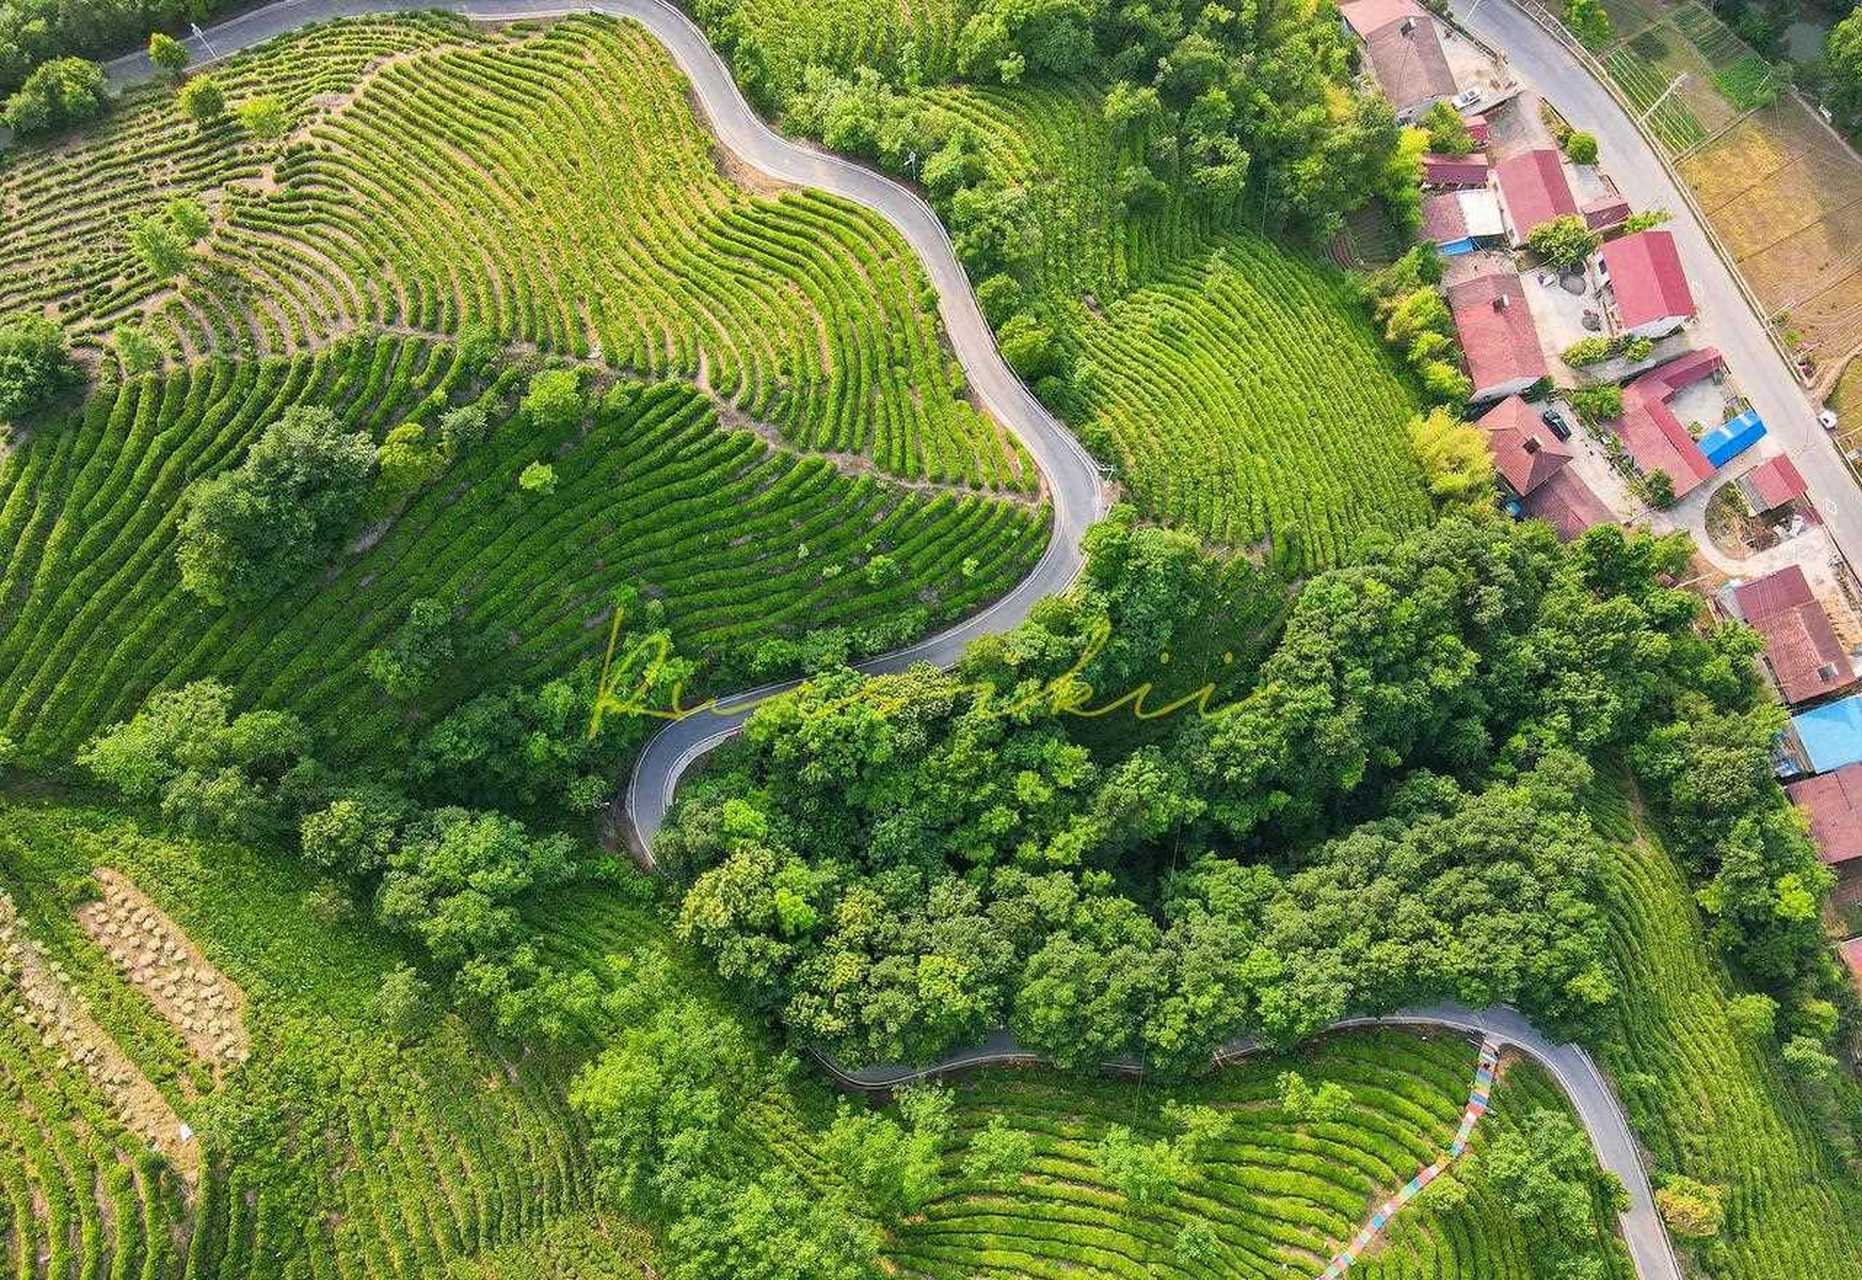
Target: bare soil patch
{"x":159,"y":959}
{"x":35,"y":987}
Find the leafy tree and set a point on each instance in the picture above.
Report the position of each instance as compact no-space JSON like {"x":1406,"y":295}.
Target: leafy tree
{"x":202,"y":100}
{"x":1693,"y":1210}
{"x":1447,"y":130}
{"x":1754,"y":1015}
{"x":356,"y":831}
{"x":416,"y":651}
{"x":1197,"y":1247}
{"x":281,"y":512}
{"x":895,"y":1169}
{"x":1564,"y":242}
{"x":402,"y":1004}
{"x":1842,"y":60}
{"x":1455,"y":460}
{"x":553,"y":401}
{"x":406,"y":459}
{"x":462,"y":428}
{"x":1547,"y":1176}
{"x":211,"y":771}
{"x":189,"y":218}
{"x":167,"y":54}
{"x":1659,"y":488}
{"x":57,"y":95}
{"x":35,"y":365}
{"x":1597,"y":404}
{"x":538,"y":477}
{"x":999,"y":297}
{"x":1581,"y":147}
{"x":1148,"y":1174}
{"x":264,"y":117}
{"x":772,"y":1228}
{"x":138,"y":348}
{"x":660,"y":1098}
{"x":1028,"y":346}
{"x":161,"y":250}
{"x":1590,"y":22}
{"x":997,"y":1153}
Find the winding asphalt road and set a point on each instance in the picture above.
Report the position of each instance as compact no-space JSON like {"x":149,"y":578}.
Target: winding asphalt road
{"x":1071,"y":479}
{"x":1073,"y":485}
{"x":1568,"y":1064}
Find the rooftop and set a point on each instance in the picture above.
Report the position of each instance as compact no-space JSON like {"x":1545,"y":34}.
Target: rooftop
{"x":1801,"y":646}
{"x":1442,"y":218}
{"x":1534,"y":188}
{"x":1497,"y":334}
{"x":1833,"y":804}
{"x":1831,"y":734}
{"x":1366,"y":17}
{"x":1647,"y":278}
{"x":1773,"y":483}
{"x":1851,"y":952}
{"x":1649,"y":429}
{"x":1524,"y":452}
{"x":1454,"y":171}
{"x":1566,"y":503}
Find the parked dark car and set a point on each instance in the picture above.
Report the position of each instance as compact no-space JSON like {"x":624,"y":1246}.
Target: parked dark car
{"x":1556,"y":421}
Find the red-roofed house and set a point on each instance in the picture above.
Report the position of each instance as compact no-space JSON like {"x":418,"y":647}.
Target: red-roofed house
{"x":1606,"y":213}
{"x":1533,"y":190}
{"x":1498,"y":337}
{"x":1404,"y":51}
{"x":1535,"y":468}
{"x":1460,"y":221}
{"x":1454,"y":171}
{"x":1833,"y":804}
{"x":1646,"y":284}
{"x":1801,"y":649}
{"x":1851,"y":952}
{"x":1772,"y":483}
{"x":1649,"y":429}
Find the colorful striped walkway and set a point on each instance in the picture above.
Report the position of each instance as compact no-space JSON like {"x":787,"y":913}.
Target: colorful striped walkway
{"x":1476,"y":1108}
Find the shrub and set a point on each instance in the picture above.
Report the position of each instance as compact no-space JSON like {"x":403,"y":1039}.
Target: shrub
{"x":158,"y":246}
{"x":1646,"y":219}
{"x":1028,"y":346}
{"x":406,"y":459}
{"x":263,"y":117}
{"x":402,"y":1004}
{"x":34,"y":365}
{"x":1592,"y":350}
{"x":137,"y":348}
{"x":189,"y":218}
{"x":538,"y":477}
{"x":1581,"y":147}
{"x":202,"y":100}
{"x":167,"y":54}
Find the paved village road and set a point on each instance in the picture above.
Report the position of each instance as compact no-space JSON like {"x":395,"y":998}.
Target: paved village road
{"x":1726,"y":320}
{"x":1072,"y":483}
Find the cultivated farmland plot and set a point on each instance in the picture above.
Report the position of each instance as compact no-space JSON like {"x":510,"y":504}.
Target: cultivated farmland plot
{"x":552,"y":186}
{"x":743,"y":541}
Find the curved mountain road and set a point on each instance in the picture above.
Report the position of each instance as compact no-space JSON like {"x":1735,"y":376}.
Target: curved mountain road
{"x":1073,"y":485}
{"x":1070,"y":476}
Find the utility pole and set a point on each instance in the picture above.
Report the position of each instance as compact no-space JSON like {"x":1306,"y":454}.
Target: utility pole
{"x":202,"y":37}
{"x":1663,"y":97}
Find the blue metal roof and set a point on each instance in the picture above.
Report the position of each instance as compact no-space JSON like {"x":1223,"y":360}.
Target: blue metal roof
{"x":1832,"y":733}
{"x":1730,"y":439}
{"x":1455,"y":248}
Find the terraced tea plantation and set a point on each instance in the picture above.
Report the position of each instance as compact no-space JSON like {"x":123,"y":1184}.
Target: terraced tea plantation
{"x":551,"y":185}
{"x":452,"y":1157}
{"x":1235,"y":384}
{"x":742,"y":540}
{"x":1706,"y":1101}
{"x":421,"y":1157}
{"x":1278,"y":1194}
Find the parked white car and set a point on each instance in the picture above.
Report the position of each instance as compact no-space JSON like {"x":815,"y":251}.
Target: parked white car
{"x":1828,"y":419}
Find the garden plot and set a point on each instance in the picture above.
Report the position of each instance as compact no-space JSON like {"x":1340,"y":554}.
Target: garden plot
{"x":159,"y":960}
